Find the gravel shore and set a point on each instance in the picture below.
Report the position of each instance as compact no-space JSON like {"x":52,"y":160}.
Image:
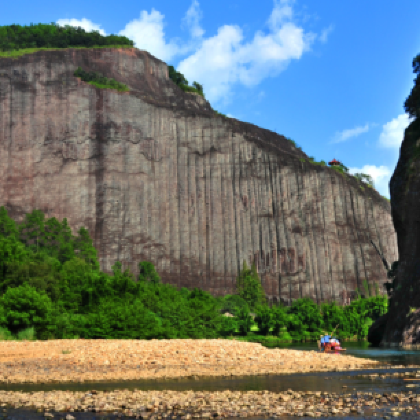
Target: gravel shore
{"x":64,"y":361}
{"x":159,"y":405}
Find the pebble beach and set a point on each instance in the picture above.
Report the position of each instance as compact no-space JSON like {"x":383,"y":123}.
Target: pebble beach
{"x":78,"y":361}
{"x":107,"y":360}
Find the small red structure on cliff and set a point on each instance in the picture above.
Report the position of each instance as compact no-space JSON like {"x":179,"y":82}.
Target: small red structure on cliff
{"x":334,"y":163}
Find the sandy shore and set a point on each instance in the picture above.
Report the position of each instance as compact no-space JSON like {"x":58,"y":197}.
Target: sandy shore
{"x":63,"y":361}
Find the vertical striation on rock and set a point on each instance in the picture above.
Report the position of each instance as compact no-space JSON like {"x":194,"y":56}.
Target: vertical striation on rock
{"x":155,"y":175}
{"x":403,"y":326}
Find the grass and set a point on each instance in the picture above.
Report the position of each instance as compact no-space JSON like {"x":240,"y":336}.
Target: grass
{"x":25,"y":51}
{"x":98,"y":85}
{"x":191,"y":89}
{"x":26,"y":334}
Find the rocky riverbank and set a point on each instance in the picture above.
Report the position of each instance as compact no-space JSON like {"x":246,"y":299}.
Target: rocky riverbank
{"x":65,"y":361}
{"x":158,"y":405}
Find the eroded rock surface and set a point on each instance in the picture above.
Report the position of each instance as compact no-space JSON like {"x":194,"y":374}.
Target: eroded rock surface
{"x":155,"y":174}
{"x":403,"y":326}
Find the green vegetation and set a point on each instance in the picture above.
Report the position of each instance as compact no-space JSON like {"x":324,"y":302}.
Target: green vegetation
{"x":50,"y":281}
{"x":180,"y":80}
{"x":293,"y":143}
{"x":412,"y":103}
{"x":367,"y":179}
{"x":51,"y":287}
{"x":306,"y":321}
{"x":342,"y":169}
{"x":249,"y":287}
{"x":321,"y":163}
{"x":25,"y":51}
{"x":98,"y":80}
{"x":40,"y":36}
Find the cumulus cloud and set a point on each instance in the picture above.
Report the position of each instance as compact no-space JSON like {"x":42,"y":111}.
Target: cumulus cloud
{"x":148,"y":34}
{"x":84,"y":23}
{"x":226,"y":58}
{"x":325,"y":34}
{"x":380,"y":175}
{"x":281,"y":12}
{"x":220,"y":61}
{"x":350,"y":133}
{"x":393,"y":131}
{"x":192,"y":20}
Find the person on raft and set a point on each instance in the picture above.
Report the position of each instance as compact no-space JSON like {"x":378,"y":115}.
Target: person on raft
{"x":324,"y":340}
{"x":330,"y":343}
{"x":335,"y":344}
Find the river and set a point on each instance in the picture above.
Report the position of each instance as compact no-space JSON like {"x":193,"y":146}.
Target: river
{"x":325,"y":381}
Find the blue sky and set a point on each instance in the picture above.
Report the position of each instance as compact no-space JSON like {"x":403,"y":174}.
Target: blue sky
{"x":331,"y":75}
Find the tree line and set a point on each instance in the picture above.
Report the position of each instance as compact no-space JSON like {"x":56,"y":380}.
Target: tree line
{"x":304,"y":320}
{"x":16,"y":37}
{"x":50,"y":281}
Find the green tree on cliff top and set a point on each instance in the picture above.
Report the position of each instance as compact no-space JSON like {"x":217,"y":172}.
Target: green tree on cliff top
{"x":16,"y":37}
{"x":412,"y":103}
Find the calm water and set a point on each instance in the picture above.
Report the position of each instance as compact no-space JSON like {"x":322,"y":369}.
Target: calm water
{"x":362,"y":349}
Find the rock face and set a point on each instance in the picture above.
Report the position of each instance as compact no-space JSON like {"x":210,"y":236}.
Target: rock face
{"x":155,"y":174}
{"x":403,"y":326}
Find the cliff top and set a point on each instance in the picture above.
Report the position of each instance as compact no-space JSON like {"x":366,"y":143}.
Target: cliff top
{"x":148,"y":78}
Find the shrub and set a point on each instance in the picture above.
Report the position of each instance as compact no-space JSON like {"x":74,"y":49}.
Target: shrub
{"x":100,"y":81}
{"x":280,"y":318}
{"x":264,"y":319}
{"x":306,"y":318}
{"x":180,"y":80}
{"x":26,"y":334}
{"x":5,"y":334}
{"x":245,"y":322}
{"x":233,"y":304}
{"x":249,"y":287}
{"x":25,"y":307}
{"x":228,"y":326}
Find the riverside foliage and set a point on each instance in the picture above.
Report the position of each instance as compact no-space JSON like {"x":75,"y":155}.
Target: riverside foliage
{"x":17,"y":37}
{"x":50,"y":281}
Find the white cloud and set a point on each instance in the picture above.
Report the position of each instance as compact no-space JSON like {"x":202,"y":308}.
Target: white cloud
{"x":148,"y":34}
{"x":325,"y":34}
{"x":84,"y":23}
{"x":226,"y":58}
{"x":282,"y":11}
{"x":393,"y":131}
{"x":192,"y":20}
{"x":380,"y":175}
{"x":349,"y":133}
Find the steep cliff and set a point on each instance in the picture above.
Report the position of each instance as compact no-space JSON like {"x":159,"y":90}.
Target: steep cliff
{"x":403,"y":326}
{"x":155,"y":174}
